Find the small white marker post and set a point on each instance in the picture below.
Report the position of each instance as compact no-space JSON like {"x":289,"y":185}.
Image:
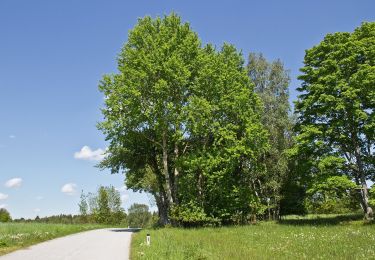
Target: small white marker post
{"x":148,"y":239}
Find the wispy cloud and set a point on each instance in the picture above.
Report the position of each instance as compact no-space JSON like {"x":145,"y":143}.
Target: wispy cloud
{"x":39,"y":197}
{"x":91,"y":155}
{"x":12,"y":136}
{"x":3,"y":196}
{"x":14,"y":183}
{"x":69,"y":188}
{"x":36,"y":210}
{"x":124,"y":197}
{"x":3,"y":206}
{"x":121,"y":189}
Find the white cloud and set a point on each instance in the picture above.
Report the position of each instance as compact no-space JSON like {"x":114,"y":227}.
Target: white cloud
{"x":3,"y":206}
{"x":36,"y":210}
{"x":39,"y":197}
{"x":3,"y":196}
{"x":124,"y":197}
{"x":14,"y":183}
{"x":121,"y":189}
{"x":69,"y":188}
{"x":12,"y":136}
{"x":91,"y":155}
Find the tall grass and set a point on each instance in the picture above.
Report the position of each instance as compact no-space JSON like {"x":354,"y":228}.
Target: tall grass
{"x":17,"y":235}
{"x":268,"y":240}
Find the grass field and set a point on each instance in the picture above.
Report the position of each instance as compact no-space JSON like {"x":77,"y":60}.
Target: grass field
{"x":324,"y":237}
{"x":17,"y":235}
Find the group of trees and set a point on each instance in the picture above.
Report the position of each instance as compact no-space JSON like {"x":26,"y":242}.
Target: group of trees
{"x":214,"y":140}
{"x":103,"y":207}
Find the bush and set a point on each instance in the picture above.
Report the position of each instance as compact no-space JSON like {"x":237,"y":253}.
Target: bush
{"x":4,"y":215}
{"x":335,"y":194}
{"x":139,"y":216}
{"x":191,"y":215}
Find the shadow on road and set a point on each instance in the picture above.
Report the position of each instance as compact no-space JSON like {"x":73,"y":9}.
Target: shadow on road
{"x":132,"y":230}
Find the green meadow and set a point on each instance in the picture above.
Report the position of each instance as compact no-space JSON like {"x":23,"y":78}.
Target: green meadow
{"x":322,"y":237}
{"x":14,"y":236}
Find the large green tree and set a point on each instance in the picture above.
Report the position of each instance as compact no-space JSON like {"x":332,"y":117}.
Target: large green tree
{"x":144,"y":106}
{"x":182,"y":120}
{"x":336,"y":122}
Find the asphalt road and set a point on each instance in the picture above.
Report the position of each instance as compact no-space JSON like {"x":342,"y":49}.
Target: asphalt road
{"x":106,"y":244}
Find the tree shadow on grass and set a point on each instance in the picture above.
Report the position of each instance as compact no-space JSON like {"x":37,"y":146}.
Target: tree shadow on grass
{"x":321,"y":220}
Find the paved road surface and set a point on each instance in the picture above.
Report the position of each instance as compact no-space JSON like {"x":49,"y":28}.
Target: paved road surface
{"x":106,"y":244}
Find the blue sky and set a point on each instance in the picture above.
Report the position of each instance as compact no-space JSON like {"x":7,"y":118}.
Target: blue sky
{"x":53,"y":54}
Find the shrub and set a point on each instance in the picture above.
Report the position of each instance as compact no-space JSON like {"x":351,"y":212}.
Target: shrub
{"x":191,"y":215}
{"x":334,"y":194}
{"x":4,"y":215}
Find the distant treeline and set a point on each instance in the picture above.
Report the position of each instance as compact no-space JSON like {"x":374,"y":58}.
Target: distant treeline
{"x":101,"y":207}
{"x":56,"y":219}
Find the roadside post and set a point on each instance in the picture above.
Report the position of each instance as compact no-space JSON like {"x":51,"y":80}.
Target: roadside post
{"x":148,"y":239}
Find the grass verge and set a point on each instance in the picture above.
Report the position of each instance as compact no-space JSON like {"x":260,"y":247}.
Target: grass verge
{"x":14,"y":236}
{"x":309,"y":239}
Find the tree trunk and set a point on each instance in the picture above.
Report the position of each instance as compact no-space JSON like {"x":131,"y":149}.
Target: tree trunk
{"x":162,"y":209}
{"x":176,"y":174}
{"x":200,"y":187}
{"x":364,"y":189}
{"x":165,"y":169}
{"x":160,"y":195}
{"x":364,"y":197}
